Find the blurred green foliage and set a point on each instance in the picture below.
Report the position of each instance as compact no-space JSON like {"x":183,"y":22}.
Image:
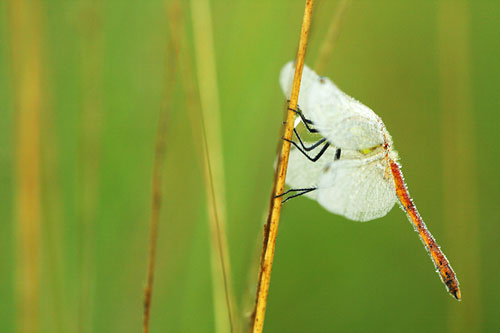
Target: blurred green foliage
{"x":330,"y":274}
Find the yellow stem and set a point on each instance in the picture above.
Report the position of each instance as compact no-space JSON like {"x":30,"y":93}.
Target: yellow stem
{"x":271,"y":229}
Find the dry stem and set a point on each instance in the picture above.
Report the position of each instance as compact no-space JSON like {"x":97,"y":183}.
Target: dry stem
{"x":159,"y":157}
{"x":225,"y":319}
{"x":271,"y":228}
{"x":328,"y":45}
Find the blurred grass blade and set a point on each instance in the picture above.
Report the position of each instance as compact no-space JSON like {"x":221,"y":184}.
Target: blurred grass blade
{"x":24,"y":19}
{"x":328,"y":45}
{"x":52,"y":216}
{"x":158,"y":162}
{"x":271,"y":228}
{"x":212,"y":149}
{"x":91,"y":69}
{"x":459,"y":160}
{"x":184,"y":59}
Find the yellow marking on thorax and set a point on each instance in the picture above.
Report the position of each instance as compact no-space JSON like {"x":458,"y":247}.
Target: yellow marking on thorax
{"x":366,"y":151}
{"x":386,"y":158}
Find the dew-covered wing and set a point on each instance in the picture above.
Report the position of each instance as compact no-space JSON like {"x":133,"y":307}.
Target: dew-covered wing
{"x":358,"y":191}
{"x":303,"y":173}
{"x":345,"y":122}
{"x":309,"y":85}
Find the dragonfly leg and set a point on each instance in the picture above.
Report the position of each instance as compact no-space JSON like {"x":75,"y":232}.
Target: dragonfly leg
{"x":306,"y":121}
{"x":302,"y":143}
{"x":312,"y":159}
{"x":301,"y":190}
{"x":337,"y":154}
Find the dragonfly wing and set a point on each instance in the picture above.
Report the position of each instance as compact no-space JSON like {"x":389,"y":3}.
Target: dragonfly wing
{"x":303,"y":173}
{"x":357,"y":190}
{"x":309,"y":85}
{"x":342,"y":120}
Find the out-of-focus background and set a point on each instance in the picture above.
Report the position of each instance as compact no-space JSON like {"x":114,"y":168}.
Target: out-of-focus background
{"x":82,"y":85}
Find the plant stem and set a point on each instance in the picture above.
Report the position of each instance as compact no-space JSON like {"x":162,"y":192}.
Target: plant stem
{"x":325,"y":53}
{"x":201,"y":19}
{"x":271,"y":228}
{"x":158,"y":162}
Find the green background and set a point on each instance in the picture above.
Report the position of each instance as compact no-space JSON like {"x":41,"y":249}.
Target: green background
{"x":329,"y":274}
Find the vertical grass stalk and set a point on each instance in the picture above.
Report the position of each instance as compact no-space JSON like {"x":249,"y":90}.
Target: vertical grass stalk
{"x":89,"y":136}
{"x":52,"y":215}
{"x":24,"y":18}
{"x":158,"y":162}
{"x":214,"y":171}
{"x":328,"y":45}
{"x":459,"y":160}
{"x":271,"y":228}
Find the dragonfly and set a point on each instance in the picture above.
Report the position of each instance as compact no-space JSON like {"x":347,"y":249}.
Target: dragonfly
{"x":351,"y":169}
